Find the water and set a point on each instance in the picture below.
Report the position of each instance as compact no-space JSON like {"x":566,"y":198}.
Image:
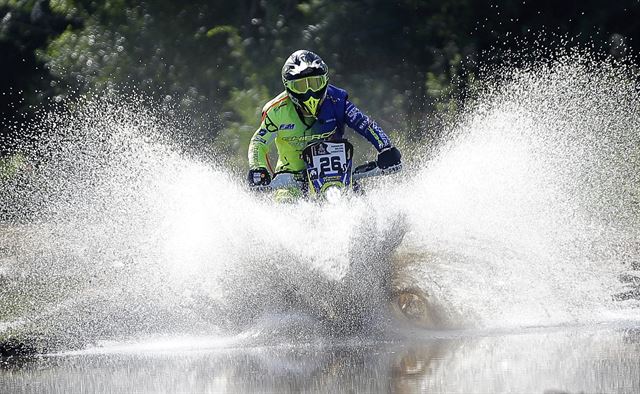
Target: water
{"x":505,"y":262}
{"x":551,"y":360}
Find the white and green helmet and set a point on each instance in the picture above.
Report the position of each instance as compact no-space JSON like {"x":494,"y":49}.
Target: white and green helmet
{"x":305,"y":77}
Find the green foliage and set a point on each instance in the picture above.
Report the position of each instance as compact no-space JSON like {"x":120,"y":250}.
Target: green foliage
{"x":11,"y":165}
{"x":219,"y":61}
{"x":234,"y":137}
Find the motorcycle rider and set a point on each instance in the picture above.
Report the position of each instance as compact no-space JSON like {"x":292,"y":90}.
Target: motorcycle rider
{"x":309,"y":110}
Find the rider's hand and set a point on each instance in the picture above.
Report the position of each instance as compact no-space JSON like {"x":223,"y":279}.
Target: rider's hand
{"x":258,"y":177}
{"x":389,"y":157}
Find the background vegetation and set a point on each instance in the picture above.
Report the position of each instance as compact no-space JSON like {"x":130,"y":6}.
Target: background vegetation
{"x":403,"y":61}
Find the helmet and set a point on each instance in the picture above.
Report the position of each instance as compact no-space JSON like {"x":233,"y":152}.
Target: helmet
{"x":305,"y":79}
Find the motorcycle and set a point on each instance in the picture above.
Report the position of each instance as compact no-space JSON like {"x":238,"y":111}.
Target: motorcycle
{"x":347,"y":303}
{"x":328,"y":173}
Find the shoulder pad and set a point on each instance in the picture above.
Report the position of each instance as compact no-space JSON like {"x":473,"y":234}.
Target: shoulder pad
{"x":277,"y":102}
{"x":336,"y":94}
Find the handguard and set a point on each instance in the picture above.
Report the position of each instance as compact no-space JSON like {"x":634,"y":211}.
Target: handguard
{"x":389,"y":158}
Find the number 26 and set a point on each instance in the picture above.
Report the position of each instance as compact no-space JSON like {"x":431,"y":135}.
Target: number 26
{"x":326,"y":165}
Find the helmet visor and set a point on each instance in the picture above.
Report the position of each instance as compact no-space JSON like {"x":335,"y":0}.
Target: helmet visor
{"x":315,"y":83}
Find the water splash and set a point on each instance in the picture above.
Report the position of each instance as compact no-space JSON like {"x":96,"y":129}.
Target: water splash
{"x":117,"y":234}
{"x":528,"y":216}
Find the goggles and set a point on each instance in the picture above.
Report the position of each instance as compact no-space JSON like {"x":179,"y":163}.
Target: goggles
{"x":302,"y":85}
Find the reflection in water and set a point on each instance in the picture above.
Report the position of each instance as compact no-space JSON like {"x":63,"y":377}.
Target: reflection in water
{"x":556,"y":360}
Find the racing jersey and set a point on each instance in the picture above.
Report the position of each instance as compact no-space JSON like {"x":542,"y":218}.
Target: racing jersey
{"x":282,"y":124}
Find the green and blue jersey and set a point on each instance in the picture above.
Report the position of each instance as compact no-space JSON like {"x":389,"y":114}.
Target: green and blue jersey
{"x":282,"y":124}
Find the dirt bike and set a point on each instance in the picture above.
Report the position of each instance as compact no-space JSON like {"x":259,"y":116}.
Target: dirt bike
{"x":347,"y":303}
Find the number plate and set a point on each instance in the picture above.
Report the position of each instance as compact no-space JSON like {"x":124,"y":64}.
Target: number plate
{"x":328,"y":163}
{"x":329,"y":159}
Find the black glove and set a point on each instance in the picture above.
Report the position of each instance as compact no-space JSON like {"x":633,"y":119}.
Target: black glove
{"x":258,"y":177}
{"x":389,"y":157}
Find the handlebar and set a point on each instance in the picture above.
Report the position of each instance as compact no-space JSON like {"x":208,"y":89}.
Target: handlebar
{"x":368,"y":170}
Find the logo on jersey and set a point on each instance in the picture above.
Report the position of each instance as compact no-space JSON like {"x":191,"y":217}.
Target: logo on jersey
{"x":260,"y":140}
{"x":352,"y":113}
{"x":287,"y":126}
{"x":313,"y":137}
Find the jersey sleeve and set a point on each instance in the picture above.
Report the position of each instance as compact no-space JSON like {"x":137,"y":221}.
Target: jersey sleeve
{"x":261,"y":142}
{"x":366,"y":127}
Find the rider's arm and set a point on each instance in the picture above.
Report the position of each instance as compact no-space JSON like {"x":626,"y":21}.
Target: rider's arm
{"x":260,"y":143}
{"x":366,"y":127}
